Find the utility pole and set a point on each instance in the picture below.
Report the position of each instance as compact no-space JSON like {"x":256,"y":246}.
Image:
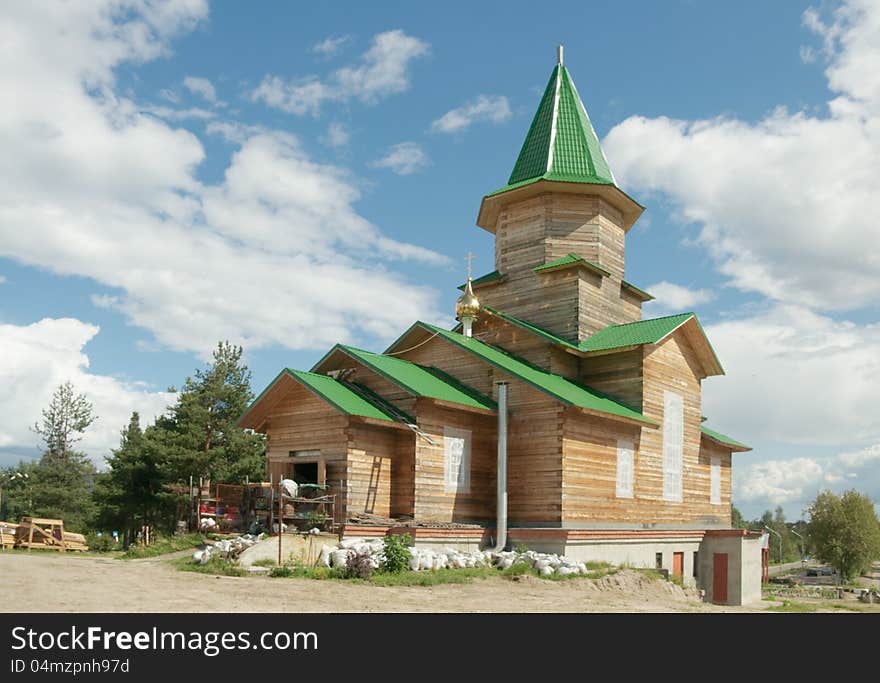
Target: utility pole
{"x":773,"y":531}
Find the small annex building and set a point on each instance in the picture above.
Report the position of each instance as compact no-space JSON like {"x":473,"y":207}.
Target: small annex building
{"x":608,"y":455}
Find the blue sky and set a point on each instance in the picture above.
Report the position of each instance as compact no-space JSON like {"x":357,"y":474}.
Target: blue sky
{"x":283,"y":175}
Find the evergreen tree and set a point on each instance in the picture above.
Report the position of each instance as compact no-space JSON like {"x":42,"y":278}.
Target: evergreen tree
{"x":131,"y":494}
{"x":64,"y":421}
{"x":200,"y":436}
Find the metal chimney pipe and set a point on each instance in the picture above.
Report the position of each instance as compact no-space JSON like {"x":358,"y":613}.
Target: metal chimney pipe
{"x":501,"y":498}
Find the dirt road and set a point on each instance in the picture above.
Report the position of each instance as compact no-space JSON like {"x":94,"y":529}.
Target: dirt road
{"x":40,"y":582}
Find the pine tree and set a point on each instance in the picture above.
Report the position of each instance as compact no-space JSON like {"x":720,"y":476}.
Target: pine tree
{"x":201,"y":437}
{"x":64,"y":421}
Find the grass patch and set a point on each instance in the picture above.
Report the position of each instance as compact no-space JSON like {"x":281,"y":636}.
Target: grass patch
{"x":793,"y":607}
{"x":599,"y":570}
{"x":650,"y":573}
{"x":163,"y":546}
{"x":216,"y":566}
{"x":433,"y":578}
{"x":265,"y":562}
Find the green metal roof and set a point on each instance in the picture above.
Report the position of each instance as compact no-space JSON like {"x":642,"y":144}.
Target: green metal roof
{"x":633,"y":334}
{"x":717,"y":436}
{"x":339,"y":395}
{"x":642,"y":294}
{"x":615,"y":336}
{"x":562,"y":389}
{"x":572,"y":259}
{"x":419,"y":380}
{"x":561,"y":143}
{"x":485,"y":279}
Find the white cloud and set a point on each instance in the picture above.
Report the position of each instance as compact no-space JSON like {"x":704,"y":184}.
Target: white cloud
{"x":331,"y":45}
{"x":776,"y":482}
{"x":861,"y":457}
{"x":383,"y":70}
{"x":489,"y":108}
{"x":170,"y":114}
{"x":780,"y":203}
{"x":37,"y":358}
{"x":795,"y":377}
{"x":672,"y":297}
{"x":201,"y":87}
{"x":337,"y":135}
{"x":404,"y":158}
{"x":2,"y":279}
{"x":273,"y":254}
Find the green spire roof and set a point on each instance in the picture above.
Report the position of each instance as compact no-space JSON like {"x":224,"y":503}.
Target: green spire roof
{"x":561,"y":144}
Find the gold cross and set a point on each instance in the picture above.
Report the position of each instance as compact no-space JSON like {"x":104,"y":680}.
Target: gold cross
{"x":470,"y":257}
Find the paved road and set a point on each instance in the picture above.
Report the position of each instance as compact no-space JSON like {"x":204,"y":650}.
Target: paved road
{"x":777,"y":569}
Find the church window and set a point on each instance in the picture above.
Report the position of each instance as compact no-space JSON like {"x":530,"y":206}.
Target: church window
{"x":457,"y":460}
{"x":673,"y":443}
{"x":624,"y":468}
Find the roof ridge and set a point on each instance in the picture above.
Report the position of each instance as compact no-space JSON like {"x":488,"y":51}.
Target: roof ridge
{"x":648,"y":320}
{"x":562,"y":392}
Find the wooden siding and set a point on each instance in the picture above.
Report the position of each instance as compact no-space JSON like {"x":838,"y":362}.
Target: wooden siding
{"x":534,"y":436}
{"x":432,"y":501}
{"x":534,"y":456}
{"x":590,"y":446}
{"x":722,"y":512}
{"x":617,"y":374}
{"x":302,"y":421}
{"x":523,"y":343}
{"x":572,"y":303}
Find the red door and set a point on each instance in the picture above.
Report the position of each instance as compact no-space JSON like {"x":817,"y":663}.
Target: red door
{"x":678,"y":564}
{"x":719,"y":578}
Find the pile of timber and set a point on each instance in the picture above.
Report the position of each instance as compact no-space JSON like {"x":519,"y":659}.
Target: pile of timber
{"x":428,"y":524}
{"x":36,"y":532}
{"x":368,"y":519}
{"x":7,"y":535}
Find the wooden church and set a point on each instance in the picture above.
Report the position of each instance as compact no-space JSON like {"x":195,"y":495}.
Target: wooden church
{"x":598,"y":446}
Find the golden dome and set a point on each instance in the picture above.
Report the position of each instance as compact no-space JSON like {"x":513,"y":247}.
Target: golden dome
{"x":467,"y":305}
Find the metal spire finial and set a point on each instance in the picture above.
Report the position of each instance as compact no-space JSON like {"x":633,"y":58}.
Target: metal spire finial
{"x":559,"y":50}
{"x":470,"y":258}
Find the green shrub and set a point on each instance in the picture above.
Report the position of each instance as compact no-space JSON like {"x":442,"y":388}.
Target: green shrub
{"x":101,"y":544}
{"x":396,"y":553}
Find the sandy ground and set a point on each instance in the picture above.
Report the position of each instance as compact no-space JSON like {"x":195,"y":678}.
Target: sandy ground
{"x":41,"y":582}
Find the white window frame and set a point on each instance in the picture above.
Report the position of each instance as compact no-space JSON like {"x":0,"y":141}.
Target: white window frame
{"x":673,"y":446}
{"x":456,"y":460}
{"x":625,"y":468}
{"x":715,"y":480}
{"x":307,"y":453}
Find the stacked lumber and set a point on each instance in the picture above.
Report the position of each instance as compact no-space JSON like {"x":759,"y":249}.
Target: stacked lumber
{"x":7,"y":535}
{"x":75,"y":541}
{"x":49,"y":534}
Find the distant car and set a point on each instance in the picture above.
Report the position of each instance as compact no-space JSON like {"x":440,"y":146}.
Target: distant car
{"x":826,"y":571}
{"x":812,"y":571}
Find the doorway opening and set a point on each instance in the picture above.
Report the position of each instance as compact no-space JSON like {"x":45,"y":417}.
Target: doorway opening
{"x":305,"y":473}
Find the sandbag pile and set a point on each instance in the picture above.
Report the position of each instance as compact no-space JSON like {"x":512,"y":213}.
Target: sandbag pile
{"x":226,"y":549}
{"x":546,"y":564}
{"x":429,"y":559}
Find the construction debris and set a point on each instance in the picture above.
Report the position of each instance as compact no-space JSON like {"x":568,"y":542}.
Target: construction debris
{"x":369,"y":519}
{"x":227,"y":549}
